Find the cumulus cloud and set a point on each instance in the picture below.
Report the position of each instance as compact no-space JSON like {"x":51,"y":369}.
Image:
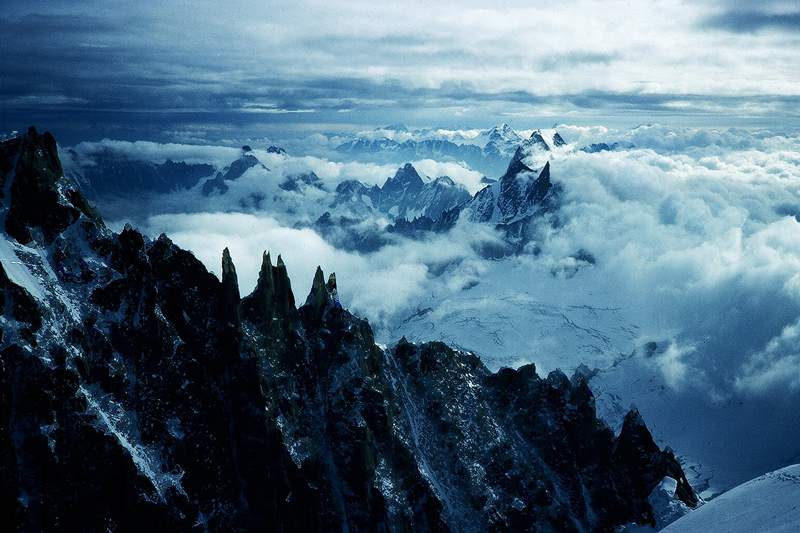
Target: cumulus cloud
{"x":775,"y":367}
{"x":459,"y":173}
{"x":675,"y":368}
{"x":706,"y":250}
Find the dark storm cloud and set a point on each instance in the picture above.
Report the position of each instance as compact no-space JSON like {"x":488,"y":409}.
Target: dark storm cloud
{"x":574,"y":59}
{"x":748,"y":17}
{"x":752,"y":21}
{"x":125,"y":67}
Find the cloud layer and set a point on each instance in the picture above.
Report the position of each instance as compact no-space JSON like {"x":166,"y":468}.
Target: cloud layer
{"x":151,"y":69}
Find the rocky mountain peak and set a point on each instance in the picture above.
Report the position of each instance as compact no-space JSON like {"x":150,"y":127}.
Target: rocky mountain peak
{"x":322,"y":308}
{"x":400,"y":128}
{"x":545,"y":140}
{"x":408,"y":175}
{"x":333,"y":290}
{"x":228,"y":269}
{"x":319,"y":297}
{"x":503,"y":133}
{"x":444,"y":181}
{"x":37,"y":200}
{"x":537,"y":139}
{"x":234,"y":171}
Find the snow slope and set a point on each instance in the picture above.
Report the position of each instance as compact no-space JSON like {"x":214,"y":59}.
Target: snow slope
{"x":515,"y":312}
{"x":768,"y":504}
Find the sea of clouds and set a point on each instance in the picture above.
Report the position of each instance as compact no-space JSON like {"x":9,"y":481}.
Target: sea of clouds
{"x":695,"y":236}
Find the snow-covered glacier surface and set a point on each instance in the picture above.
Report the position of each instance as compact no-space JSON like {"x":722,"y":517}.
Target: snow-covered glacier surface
{"x":769,"y":503}
{"x":516,"y":313}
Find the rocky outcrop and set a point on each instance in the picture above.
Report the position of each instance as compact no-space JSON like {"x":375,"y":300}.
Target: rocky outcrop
{"x":272,"y":302}
{"x":398,"y":191}
{"x":501,"y":142}
{"x":298,"y":181}
{"x":521,"y":195}
{"x":142,"y":393}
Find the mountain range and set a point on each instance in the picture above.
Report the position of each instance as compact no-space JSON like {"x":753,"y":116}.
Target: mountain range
{"x":142,"y":392}
{"x":487,"y":152}
{"x":414,"y":205}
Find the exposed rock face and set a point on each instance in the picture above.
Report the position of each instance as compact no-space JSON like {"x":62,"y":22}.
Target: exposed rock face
{"x":404,"y":186}
{"x":294,"y":183}
{"x":353,"y":196}
{"x":519,"y":193}
{"x":502,"y":141}
{"x":406,"y":195}
{"x":510,"y":203}
{"x":141,"y":393}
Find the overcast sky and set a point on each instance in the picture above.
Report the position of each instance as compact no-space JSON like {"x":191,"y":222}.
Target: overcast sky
{"x":148,"y":69}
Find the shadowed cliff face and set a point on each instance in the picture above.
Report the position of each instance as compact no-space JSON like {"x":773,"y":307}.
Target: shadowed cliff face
{"x":140,"y":392}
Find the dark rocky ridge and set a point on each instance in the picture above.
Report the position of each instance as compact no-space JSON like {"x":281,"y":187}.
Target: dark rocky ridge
{"x":143,"y":393}
{"x":111,"y":174}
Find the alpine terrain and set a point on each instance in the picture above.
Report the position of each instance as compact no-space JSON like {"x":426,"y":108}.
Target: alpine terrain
{"x":142,"y":393}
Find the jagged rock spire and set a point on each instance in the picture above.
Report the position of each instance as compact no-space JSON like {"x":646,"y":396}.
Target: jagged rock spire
{"x":323,"y":295}
{"x":266,"y":281}
{"x":272,"y":298}
{"x":283,"y":290}
{"x":318,"y":297}
{"x":322,"y":305}
{"x":333,"y":291}
{"x":230,"y":290}
{"x":644,"y":461}
{"x":34,"y":196}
